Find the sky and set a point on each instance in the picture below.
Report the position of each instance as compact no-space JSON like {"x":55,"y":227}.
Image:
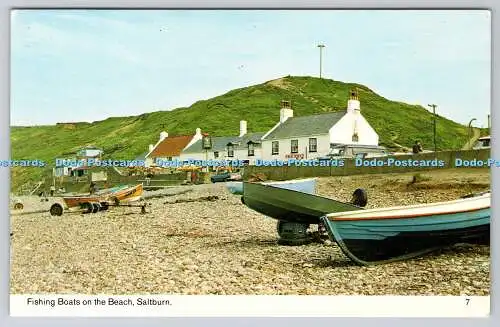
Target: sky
{"x":88,"y":65}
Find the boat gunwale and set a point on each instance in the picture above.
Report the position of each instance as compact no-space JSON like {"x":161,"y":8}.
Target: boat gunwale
{"x":411,"y":216}
{"x":307,"y":194}
{"x":344,"y":215}
{"x":290,"y":181}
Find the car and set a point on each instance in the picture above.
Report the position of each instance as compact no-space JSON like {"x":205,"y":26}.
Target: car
{"x":482,"y":143}
{"x":347,"y":151}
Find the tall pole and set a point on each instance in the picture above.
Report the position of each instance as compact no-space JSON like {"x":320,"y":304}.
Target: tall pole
{"x":433,"y":106}
{"x":320,"y":46}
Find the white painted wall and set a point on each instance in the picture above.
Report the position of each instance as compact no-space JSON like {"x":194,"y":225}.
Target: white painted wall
{"x":90,"y":152}
{"x":241,"y":154}
{"x":353,"y":120}
{"x":323,"y":147}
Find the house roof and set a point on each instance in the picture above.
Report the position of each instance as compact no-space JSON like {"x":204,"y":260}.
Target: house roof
{"x":219,"y":143}
{"x":306,"y":125}
{"x":171,"y":146}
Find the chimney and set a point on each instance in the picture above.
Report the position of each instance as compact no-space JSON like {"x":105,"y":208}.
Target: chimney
{"x":163,"y":135}
{"x":285,"y":111}
{"x":353,"y":102}
{"x":198,"y":132}
{"x":151,"y":147}
{"x":243,"y":127}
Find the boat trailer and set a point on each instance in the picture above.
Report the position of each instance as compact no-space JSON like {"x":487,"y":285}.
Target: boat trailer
{"x":297,"y":233}
{"x":57,"y":209}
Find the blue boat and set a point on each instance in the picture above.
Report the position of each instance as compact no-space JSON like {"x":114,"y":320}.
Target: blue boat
{"x":376,"y":236}
{"x":306,"y":185}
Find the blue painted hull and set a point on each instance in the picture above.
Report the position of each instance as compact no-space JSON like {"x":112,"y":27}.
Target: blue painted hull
{"x":371,"y":240}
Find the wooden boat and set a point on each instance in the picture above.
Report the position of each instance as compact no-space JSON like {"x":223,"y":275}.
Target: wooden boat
{"x":235,"y":187}
{"x":129,"y":194}
{"x":117,"y":194}
{"x":278,"y":202}
{"x":375,"y":236}
{"x":306,"y":185}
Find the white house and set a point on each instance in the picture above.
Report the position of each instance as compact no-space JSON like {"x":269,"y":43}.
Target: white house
{"x":170,"y":148}
{"x":309,"y":137}
{"x":245,"y":146}
{"x":89,"y":152}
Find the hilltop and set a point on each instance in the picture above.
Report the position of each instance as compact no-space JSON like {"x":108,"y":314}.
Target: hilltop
{"x":396,"y":123}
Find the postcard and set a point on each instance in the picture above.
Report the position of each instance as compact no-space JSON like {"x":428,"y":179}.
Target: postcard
{"x":250,"y":162}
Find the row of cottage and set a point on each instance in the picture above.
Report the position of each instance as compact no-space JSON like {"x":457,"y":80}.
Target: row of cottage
{"x":305,"y":137}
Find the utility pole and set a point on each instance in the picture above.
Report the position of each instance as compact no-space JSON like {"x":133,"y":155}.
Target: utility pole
{"x":320,"y":46}
{"x":433,"y":106}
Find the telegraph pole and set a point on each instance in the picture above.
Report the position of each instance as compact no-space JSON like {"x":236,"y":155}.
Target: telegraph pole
{"x":320,"y":46}
{"x":433,"y":106}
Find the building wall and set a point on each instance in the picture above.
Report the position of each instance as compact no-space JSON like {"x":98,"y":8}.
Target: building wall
{"x":323,"y":147}
{"x":241,"y":154}
{"x":343,"y":131}
{"x":90,"y":153}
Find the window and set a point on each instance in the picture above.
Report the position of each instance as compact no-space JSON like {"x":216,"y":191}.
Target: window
{"x":294,"y":146}
{"x":355,"y":137}
{"x":230,"y":150}
{"x":216,"y":154}
{"x":251,"y":150}
{"x":276,"y":147}
{"x":313,"y":145}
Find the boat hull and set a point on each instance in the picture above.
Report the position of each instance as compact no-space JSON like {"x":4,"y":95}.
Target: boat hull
{"x":76,"y":201}
{"x":130,"y":194}
{"x":117,"y":194}
{"x":235,"y":187}
{"x":290,"y":205}
{"x":307,"y":185}
{"x":392,"y":234}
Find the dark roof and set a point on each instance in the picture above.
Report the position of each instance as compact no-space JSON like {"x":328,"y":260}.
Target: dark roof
{"x":306,"y":125}
{"x":219,"y":143}
{"x":171,"y":146}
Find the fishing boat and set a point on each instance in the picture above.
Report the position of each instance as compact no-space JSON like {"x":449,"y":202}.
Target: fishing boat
{"x":306,"y":185}
{"x":123,"y":193}
{"x":293,"y":209}
{"x":383,"y":235}
{"x":235,"y":187}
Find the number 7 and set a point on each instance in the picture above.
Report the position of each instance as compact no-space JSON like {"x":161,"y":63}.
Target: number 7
{"x":467,"y":301}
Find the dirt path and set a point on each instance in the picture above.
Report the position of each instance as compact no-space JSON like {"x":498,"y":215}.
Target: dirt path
{"x":473,"y":139}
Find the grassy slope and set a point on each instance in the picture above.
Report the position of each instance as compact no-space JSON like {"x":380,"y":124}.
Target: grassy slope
{"x":127,"y":137}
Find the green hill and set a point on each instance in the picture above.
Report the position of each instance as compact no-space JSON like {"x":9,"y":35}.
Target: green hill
{"x":128,"y":137}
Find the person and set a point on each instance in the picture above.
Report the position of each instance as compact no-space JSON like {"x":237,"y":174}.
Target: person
{"x":417,"y":147}
{"x":52,"y":190}
{"x":92,"y":188}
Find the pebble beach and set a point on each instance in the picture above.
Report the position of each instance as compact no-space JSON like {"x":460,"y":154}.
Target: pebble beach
{"x":201,"y":239}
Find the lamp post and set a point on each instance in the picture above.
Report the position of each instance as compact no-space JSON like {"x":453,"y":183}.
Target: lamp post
{"x":433,"y":106}
{"x":320,"y":46}
{"x":469,"y":132}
